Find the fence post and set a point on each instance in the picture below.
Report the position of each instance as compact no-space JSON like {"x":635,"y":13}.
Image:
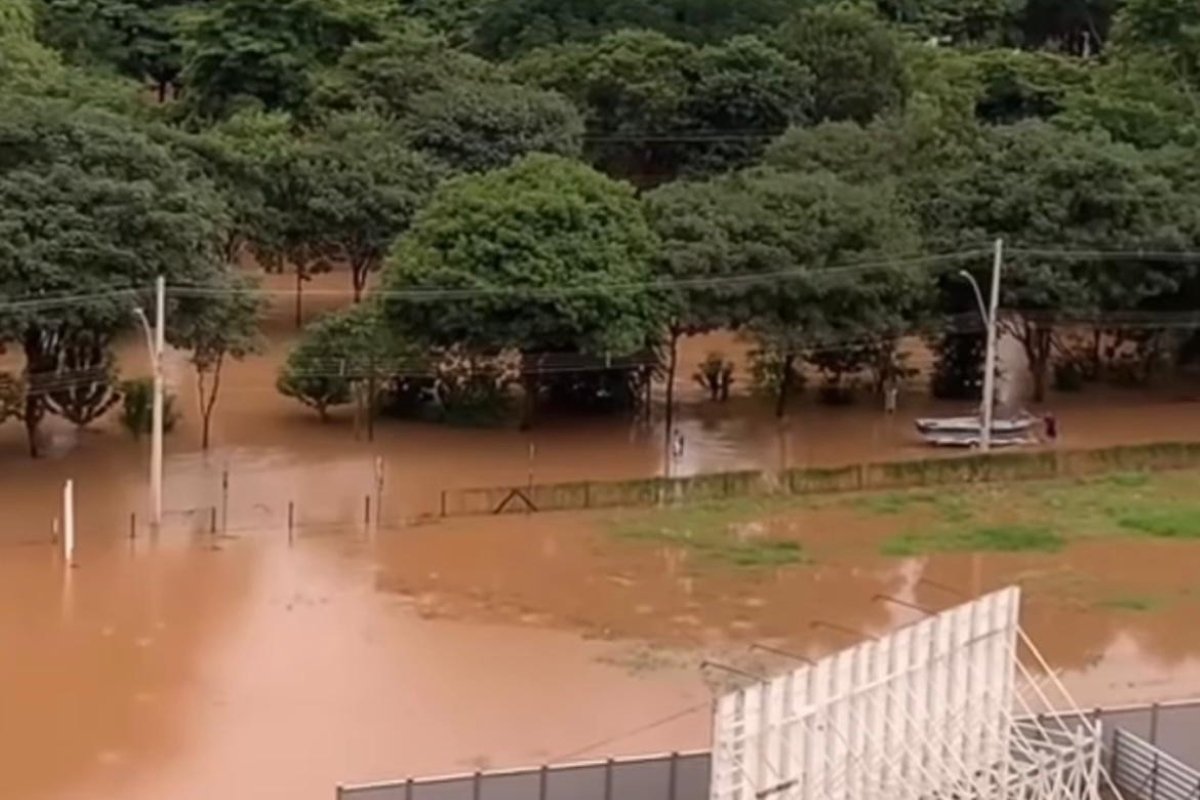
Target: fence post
{"x":671,"y":776}
{"x":132,"y":524}
{"x":443,"y":502}
{"x":408,"y":789}
{"x":608,"y":779}
{"x":543,"y":774}
{"x":1154,"y":777}
{"x":366,"y":511}
{"x":476,"y":785}
{"x":1154,"y":724}
{"x":225,"y":500}
{"x":212,"y":521}
{"x":291,"y":521}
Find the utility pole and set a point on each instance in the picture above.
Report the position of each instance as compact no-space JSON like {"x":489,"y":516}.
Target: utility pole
{"x":156,"y":444}
{"x":155,"y":344}
{"x":989,"y":375}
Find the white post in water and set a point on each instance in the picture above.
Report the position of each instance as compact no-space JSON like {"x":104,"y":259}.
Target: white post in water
{"x":69,"y":523}
{"x":989,"y":374}
{"x":156,"y":445}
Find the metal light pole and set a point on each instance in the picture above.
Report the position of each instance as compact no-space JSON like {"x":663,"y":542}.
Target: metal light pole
{"x":989,"y":312}
{"x":156,"y":343}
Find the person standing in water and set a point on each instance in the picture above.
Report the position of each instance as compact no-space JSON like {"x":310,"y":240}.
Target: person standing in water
{"x":891,"y":397}
{"x":1051,"y":425}
{"x":677,"y":445}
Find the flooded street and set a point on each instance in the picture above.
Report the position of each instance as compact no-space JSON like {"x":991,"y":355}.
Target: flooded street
{"x":187,"y":665}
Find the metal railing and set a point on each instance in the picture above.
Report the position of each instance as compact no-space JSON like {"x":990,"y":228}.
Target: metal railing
{"x":1144,"y":772}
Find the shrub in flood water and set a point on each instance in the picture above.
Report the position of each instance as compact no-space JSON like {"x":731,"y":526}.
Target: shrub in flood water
{"x":137,"y":407}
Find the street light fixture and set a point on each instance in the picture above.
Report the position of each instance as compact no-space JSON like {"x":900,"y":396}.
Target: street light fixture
{"x":990,"y":321}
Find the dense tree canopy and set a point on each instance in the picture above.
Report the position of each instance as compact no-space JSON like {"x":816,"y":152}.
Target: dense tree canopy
{"x":854,"y":57}
{"x":511,"y":155}
{"x":140,"y":38}
{"x":805,"y":229}
{"x":656,"y":107}
{"x":90,"y":206}
{"x":508,"y":27}
{"x":266,"y":51}
{"x":534,"y":245}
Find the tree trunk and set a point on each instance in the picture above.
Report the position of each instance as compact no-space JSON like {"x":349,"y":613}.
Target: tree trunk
{"x":530,"y":381}
{"x":34,"y":411}
{"x":358,"y":278}
{"x":371,"y":391}
{"x":38,"y":363}
{"x":785,"y":385}
{"x":672,"y":366}
{"x":299,"y":291}
{"x":1037,"y":341}
{"x":1096,"y":356}
{"x":208,"y":400}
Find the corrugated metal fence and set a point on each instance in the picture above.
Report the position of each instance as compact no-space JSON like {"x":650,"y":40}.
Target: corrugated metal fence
{"x":1144,"y":772}
{"x":676,"y":776}
{"x":1129,"y":732}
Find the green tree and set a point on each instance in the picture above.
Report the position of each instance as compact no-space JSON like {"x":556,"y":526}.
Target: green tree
{"x":140,"y":38}
{"x":796,"y":230}
{"x":91,"y":210}
{"x":454,"y":106}
{"x":507,"y":28}
{"x":1041,"y":187}
{"x":338,"y":353}
{"x":349,"y":189}
{"x":656,"y":107}
{"x":387,"y":76}
{"x":1169,"y":29}
{"x":454,"y":19}
{"x":475,"y":127}
{"x":223,"y":325}
{"x":956,"y":21}
{"x":854,"y":56}
{"x":266,"y":51}
{"x":24,"y":62}
{"x":550,"y":255}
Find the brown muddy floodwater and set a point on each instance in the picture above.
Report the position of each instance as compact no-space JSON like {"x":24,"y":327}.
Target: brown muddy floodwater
{"x":243,"y":667}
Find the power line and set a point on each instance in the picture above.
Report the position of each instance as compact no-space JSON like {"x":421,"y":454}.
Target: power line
{"x":658,"y":723}
{"x":1182,"y":256}
{"x":749,"y":278}
{"x":42,"y":301}
{"x":37,"y":303}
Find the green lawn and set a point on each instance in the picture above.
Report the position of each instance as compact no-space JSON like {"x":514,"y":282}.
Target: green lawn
{"x":986,"y":518}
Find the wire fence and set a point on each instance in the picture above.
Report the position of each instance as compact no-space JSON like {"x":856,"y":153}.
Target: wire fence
{"x":375,"y":510}
{"x":981,"y":468}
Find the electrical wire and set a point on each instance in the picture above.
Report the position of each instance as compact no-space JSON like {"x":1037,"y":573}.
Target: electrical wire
{"x":658,"y":723}
{"x":37,"y":302}
{"x":447,"y":293}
